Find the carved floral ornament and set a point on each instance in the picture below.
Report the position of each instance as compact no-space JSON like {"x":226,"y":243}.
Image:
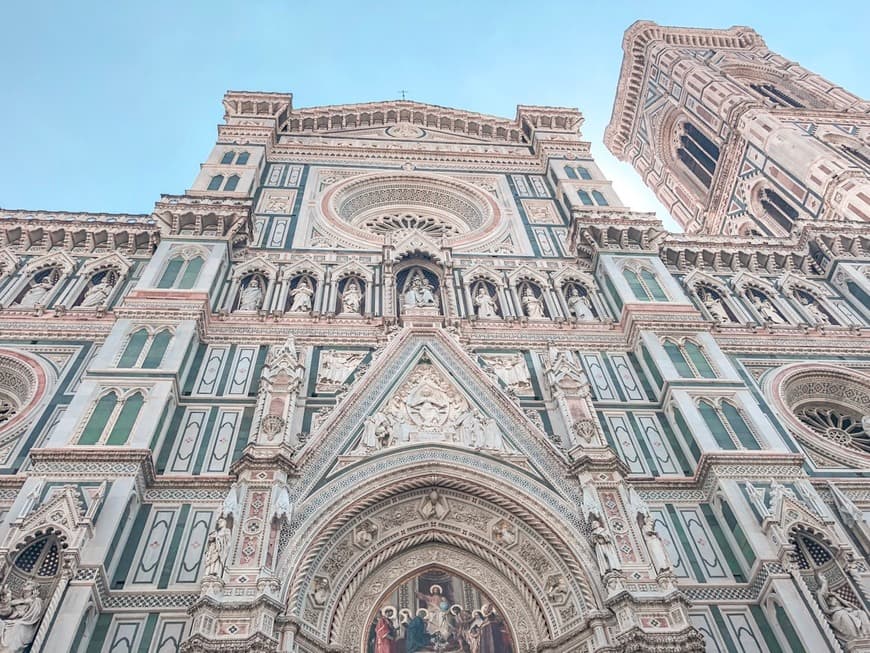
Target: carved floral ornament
{"x":827,"y":408}
{"x":370,"y":208}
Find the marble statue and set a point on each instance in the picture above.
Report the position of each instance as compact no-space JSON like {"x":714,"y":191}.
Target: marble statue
{"x":655,"y":546}
{"x":321,"y":591}
{"x":766,"y":309}
{"x":37,"y":293}
{"x":557,"y":589}
{"x":251,"y":297}
{"x":418,"y":293}
{"x":302,"y":295}
{"x":605,"y":550}
{"x":578,"y":305}
{"x":217,"y":549}
{"x":376,"y":432}
{"x":492,"y":438}
{"x":532,"y":305}
{"x":811,"y":306}
{"x":511,"y":369}
{"x":848,"y":622}
{"x":714,"y":306}
{"x":434,"y":506}
{"x":351,"y":298}
{"x":97,"y":294}
{"x":336,"y":366}
{"x":485,"y":303}
{"x":20,"y":618}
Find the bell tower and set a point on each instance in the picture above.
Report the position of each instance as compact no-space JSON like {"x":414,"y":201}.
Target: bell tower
{"x":734,"y":138}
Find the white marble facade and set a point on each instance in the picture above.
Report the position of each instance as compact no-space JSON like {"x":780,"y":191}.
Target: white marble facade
{"x":394,"y":377}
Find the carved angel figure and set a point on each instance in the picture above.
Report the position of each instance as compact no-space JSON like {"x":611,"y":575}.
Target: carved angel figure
{"x":766,"y":309}
{"x":18,"y":628}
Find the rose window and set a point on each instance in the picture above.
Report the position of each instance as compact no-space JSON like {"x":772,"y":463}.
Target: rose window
{"x":8,"y":409}
{"x":836,"y":424}
{"x":429,"y":224}
{"x":827,"y":408}
{"x":368,"y":208}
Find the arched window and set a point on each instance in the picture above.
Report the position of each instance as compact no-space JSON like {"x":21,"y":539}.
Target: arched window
{"x":125,"y":420}
{"x":698,"y":153}
{"x":583,"y":172}
{"x":775,"y":95}
{"x":675,"y":353}
{"x":134,"y":348}
{"x":698,"y":360}
{"x":243,"y":159}
{"x":727,"y":425}
{"x":569,"y":171}
{"x":216,"y":182}
{"x":159,"y":343}
{"x":783,"y":213}
{"x":118,"y":418}
{"x":228,"y":157}
{"x":232,"y":182}
{"x":181,"y":273}
{"x":41,"y":558}
{"x":99,"y":419}
{"x":645,"y":286}
{"x":585,"y":198}
{"x":599,"y":198}
{"x":689,"y":359}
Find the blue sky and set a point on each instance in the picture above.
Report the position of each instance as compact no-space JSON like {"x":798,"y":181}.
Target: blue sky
{"x":107,"y":105}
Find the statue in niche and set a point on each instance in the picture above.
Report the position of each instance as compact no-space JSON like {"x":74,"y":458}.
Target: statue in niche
{"x":251,"y":296}
{"x":301,"y":296}
{"x":351,"y":298}
{"x":578,"y":305}
{"x":19,"y":618}
{"x":418,"y":292}
{"x":217,"y":549}
{"x":848,"y":622}
{"x":605,"y":549}
{"x":766,"y":309}
{"x":40,"y":289}
{"x":533,"y":307}
{"x":714,"y":305}
{"x":654,"y":544}
{"x":810,"y":305}
{"x":485,"y":303}
{"x":98,"y":293}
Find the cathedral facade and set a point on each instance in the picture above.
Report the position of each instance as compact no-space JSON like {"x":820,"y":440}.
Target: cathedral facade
{"x":393,"y":377}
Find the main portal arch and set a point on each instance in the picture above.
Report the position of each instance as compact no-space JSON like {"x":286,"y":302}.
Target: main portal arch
{"x":526,"y":560}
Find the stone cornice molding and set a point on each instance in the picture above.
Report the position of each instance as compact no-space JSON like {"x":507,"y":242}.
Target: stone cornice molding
{"x":635,"y":45}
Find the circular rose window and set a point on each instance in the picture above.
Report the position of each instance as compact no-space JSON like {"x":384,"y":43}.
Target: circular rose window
{"x":22,"y":380}
{"x":369,"y":208}
{"x":828,"y":409}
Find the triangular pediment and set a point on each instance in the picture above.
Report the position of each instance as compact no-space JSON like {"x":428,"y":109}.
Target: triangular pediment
{"x":428,"y":407}
{"x":424,"y":390}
